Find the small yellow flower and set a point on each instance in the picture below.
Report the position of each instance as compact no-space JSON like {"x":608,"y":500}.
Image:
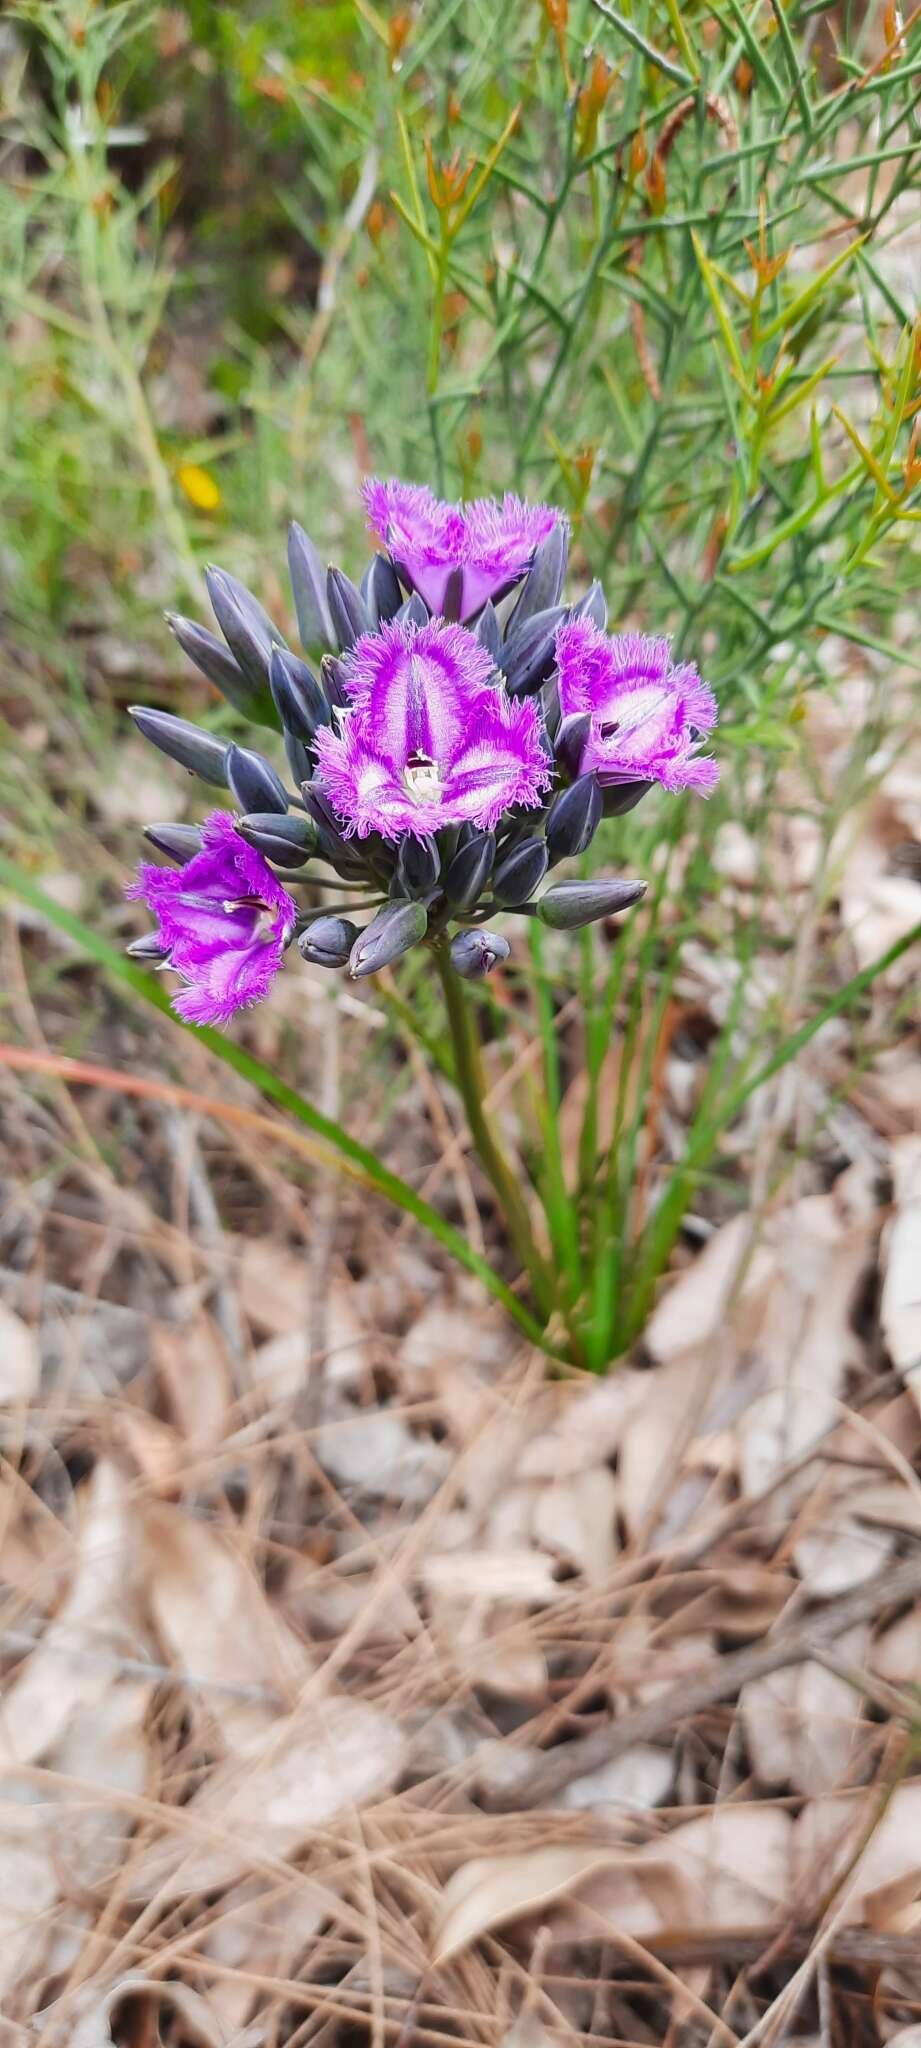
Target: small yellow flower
{"x":200,"y":488}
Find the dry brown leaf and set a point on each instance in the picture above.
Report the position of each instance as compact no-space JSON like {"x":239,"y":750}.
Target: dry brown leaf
{"x":493,"y":1890}
{"x":522,"y":1575}
{"x":376,"y":1453}
{"x":840,"y":1554}
{"x":900,"y":1302}
{"x":20,"y":1362}
{"x":805,"y":1339}
{"x":897,"y":1654}
{"x":280,"y":1788}
{"x":800,"y":1722}
{"x":72,"y":1668}
{"x":641,"y":1779}
{"x":191,"y":1358}
{"x":215,"y":1620}
{"x":28,"y":1887}
{"x":575,"y":1518}
{"x":830,"y":1832}
{"x":729,"y":1868}
{"x":200,"y":2024}
{"x":587,"y":1426}
{"x":694,"y":1307}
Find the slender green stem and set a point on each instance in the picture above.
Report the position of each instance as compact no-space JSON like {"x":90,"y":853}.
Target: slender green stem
{"x":468,"y":1068}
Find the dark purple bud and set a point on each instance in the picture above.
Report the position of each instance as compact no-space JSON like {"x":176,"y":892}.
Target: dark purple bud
{"x":568,"y":905}
{"x":299,"y":697}
{"x":519,"y":873}
{"x":621,"y":797}
{"x":300,"y":758}
{"x":390,"y":934}
{"x":592,"y":606}
{"x":469,"y":871}
{"x":179,"y":842}
{"x":573,"y":819}
{"x":418,"y":866}
{"x":380,"y":588}
{"x":347,"y":609}
{"x":543,"y":585}
{"x":333,"y":672}
{"x":550,"y":705}
{"x":330,"y":844}
{"x":489,"y":632}
{"x":327,"y":941}
{"x":288,"y":841}
{"x":453,"y":596}
{"x":529,"y":655}
{"x":475,"y":954}
{"x":256,"y":785}
{"x":213,"y":659}
{"x":149,"y":949}
{"x":308,"y":584}
{"x":194,"y":749}
{"x":247,"y":629}
{"x":570,"y":741}
{"x":415,"y":610}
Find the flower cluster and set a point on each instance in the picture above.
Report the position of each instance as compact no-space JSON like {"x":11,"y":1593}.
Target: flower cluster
{"x":463,"y":732}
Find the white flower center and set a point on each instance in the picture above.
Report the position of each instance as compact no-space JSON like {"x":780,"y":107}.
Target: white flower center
{"x":422,"y":778}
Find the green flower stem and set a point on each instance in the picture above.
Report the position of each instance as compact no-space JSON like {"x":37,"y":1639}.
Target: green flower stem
{"x":468,"y":1068}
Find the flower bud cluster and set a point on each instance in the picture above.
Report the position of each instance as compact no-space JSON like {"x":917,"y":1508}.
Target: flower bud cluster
{"x":456,"y":733}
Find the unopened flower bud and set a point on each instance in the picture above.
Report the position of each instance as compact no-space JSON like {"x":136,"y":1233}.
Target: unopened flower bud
{"x":469,"y":871}
{"x":184,"y":742}
{"x":327,"y":941}
{"x":418,"y":866}
{"x":213,"y":659}
{"x":288,"y":841}
{"x":380,"y":588}
{"x":573,"y":819}
{"x":390,"y":934}
{"x":299,"y":698}
{"x":529,"y":654}
{"x":520,"y":872}
{"x":347,"y":609}
{"x":178,"y":842}
{"x":256,"y":785}
{"x":249,"y":632}
{"x":308,"y":584}
{"x":571,"y":737}
{"x":474,"y":954}
{"x":567,"y":906}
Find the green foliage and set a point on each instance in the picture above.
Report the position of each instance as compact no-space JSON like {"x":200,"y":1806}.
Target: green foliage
{"x":671,"y":292}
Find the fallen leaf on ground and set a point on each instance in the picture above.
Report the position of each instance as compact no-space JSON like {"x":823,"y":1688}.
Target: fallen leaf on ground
{"x":492,"y":1890}
{"x":694,"y":1307}
{"x":800,"y":1723}
{"x":280,"y":1788}
{"x":576,"y":1519}
{"x":215,"y":1620}
{"x":900,"y":1302}
{"x":72,"y":1665}
{"x":20,"y":1363}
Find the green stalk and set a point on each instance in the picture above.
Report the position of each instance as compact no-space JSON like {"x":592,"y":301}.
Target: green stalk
{"x":471,"y":1082}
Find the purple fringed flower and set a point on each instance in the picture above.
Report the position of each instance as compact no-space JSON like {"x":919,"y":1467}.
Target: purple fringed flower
{"x":648,"y":715}
{"x":456,"y":556}
{"x":428,"y":740}
{"x":224,"y":922}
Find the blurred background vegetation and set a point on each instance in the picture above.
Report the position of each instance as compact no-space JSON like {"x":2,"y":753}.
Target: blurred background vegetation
{"x":657,"y":263}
